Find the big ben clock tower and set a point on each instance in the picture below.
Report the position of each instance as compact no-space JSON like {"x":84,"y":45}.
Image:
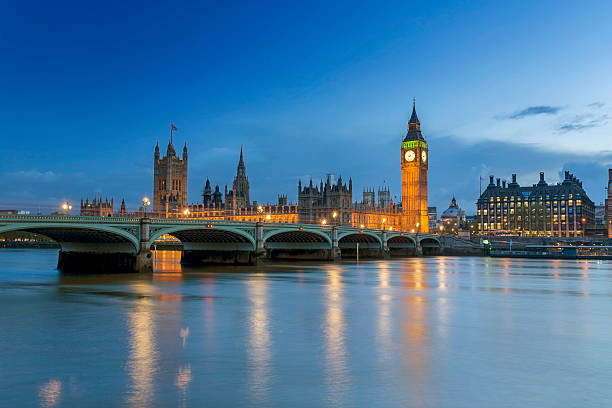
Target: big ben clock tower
{"x":415,"y":160}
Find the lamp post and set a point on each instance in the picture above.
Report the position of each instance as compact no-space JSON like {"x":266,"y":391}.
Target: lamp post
{"x":323,"y":221}
{"x":186,"y":212}
{"x":145,"y":203}
{"x":66,"y":207}
{"x":259,"y":211}
{"x":334,"y":216}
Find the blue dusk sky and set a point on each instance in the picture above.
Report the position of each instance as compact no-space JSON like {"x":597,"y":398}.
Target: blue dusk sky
{"x":307,"y":88}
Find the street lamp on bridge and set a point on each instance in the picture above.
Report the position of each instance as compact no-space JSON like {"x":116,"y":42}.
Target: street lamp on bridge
{"x":66,"y":207}
{"x":145,"y":203}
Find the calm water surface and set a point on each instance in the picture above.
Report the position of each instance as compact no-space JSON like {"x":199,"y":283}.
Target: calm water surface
{"x":428,"y":332}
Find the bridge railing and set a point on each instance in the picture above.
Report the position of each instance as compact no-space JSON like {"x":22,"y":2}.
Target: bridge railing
{"x":191,"y":221}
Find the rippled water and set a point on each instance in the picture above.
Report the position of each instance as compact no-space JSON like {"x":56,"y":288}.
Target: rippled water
{"x":422,"y":332}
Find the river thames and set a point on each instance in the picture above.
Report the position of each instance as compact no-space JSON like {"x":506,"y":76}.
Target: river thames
{"x":415,"y":332}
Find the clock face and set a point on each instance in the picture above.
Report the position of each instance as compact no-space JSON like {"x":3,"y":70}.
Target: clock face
{"x":424,"y":156}
{"x":409,"y":156}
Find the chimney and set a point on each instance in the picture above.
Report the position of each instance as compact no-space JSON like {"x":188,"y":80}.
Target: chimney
{"x":490,"y":179}
{"x":514,"y":178}
{"x":504,"y":183}
{"x":498,"y":180}
{"x":541,"y":176}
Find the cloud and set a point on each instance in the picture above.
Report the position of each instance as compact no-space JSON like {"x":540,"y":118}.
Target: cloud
{"x":535,"y":110}
{"x":583,"y":122}
{"x":596,"y":105}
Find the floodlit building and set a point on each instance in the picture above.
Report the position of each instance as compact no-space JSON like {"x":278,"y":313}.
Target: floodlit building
{"x":558,"y":210}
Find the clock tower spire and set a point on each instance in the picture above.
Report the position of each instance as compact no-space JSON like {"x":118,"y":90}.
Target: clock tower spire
{"x":415,"y":162}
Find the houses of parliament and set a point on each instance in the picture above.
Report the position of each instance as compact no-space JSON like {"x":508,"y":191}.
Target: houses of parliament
{"x":327,"y":202}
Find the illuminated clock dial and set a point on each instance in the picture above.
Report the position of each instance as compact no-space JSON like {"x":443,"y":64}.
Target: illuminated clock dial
{"x":409,"y":156}
{"x":424,"y":156}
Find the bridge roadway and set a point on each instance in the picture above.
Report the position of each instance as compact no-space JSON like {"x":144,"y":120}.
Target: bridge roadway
{"x":121,"y":244}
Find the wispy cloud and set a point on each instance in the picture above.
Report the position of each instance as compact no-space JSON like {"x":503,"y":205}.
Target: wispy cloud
{"x":535,"y":110}
{"x":596,"y":105}
{"x":584,"y":122}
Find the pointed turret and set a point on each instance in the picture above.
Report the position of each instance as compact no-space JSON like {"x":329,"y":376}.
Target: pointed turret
{"x":241,"y":169}
{"x":185,"y":151}
{"x":170,"y":149}
{"x":157,"y":150}
{"x":414,"y":126}
{"x":414,"y":119}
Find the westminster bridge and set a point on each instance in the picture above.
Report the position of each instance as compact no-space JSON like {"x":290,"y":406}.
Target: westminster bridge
{"x":125,"y":243}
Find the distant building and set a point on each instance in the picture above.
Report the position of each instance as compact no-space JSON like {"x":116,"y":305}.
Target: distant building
{"x":609,"y":204}
{"x":384,"y":196}
{"x":317,"y":204}
{"x":169,"y":181}
{"x":561,"y":210}
{"x":453,"y":213}
{"x":432,"y":213}
{"x":235,"y":204}
{"x":600,"y":214}
{"x":97,"y":207}
{"x":239,"y":197}
{"x":368,"y":197}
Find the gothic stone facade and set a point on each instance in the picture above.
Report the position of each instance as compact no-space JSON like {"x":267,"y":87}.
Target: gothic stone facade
{"x":97,"y":207}
{"x":169,"y":181}
{"x":319,"y":204}
{"x":235,"y":204}
{"x":412,"y":214}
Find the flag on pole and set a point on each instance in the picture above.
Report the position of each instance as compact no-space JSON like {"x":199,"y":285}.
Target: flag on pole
{"x":173,"y":127}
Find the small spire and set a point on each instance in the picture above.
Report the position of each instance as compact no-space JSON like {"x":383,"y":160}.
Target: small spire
{"x":414,"y":118}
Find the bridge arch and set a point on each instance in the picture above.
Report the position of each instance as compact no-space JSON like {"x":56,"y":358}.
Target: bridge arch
{"x":292,"y":235}
{"x":216,"y":237}
{"x":81,"y":236}
{"x":401,"y":241}
{"x":359,"y":236}
{"x":430,"y":245}
{"x":432,"y":242}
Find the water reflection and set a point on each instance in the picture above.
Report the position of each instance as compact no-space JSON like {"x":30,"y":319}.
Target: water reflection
{"x":50,"y":393}
{"x":415,"y":336}
{"x":259,"y":347}
{"x":142,"y":360}
{"x":167,"y":262}
{"x":183,"y":378}
{"x":384,"y":330}
{"x":336,"y":367}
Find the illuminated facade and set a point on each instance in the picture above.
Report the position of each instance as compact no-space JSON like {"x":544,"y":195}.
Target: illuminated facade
{"x":415,"y":162}
{"x":235,"y":205}
{"x":412,"y":213}
{"x":97,"y":207}
{"x":561,"y":210}
{"x":169,"y":181}
{"x":327,"y":203}
{"x":609,"y":204}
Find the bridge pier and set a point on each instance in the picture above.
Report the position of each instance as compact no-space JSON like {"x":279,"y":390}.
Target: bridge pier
{"x":386,"y":253}
{"x":144,"y":258}
{"x":260,"y":251}
{"x":96,"y":262}
{"x":335,"y":254}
